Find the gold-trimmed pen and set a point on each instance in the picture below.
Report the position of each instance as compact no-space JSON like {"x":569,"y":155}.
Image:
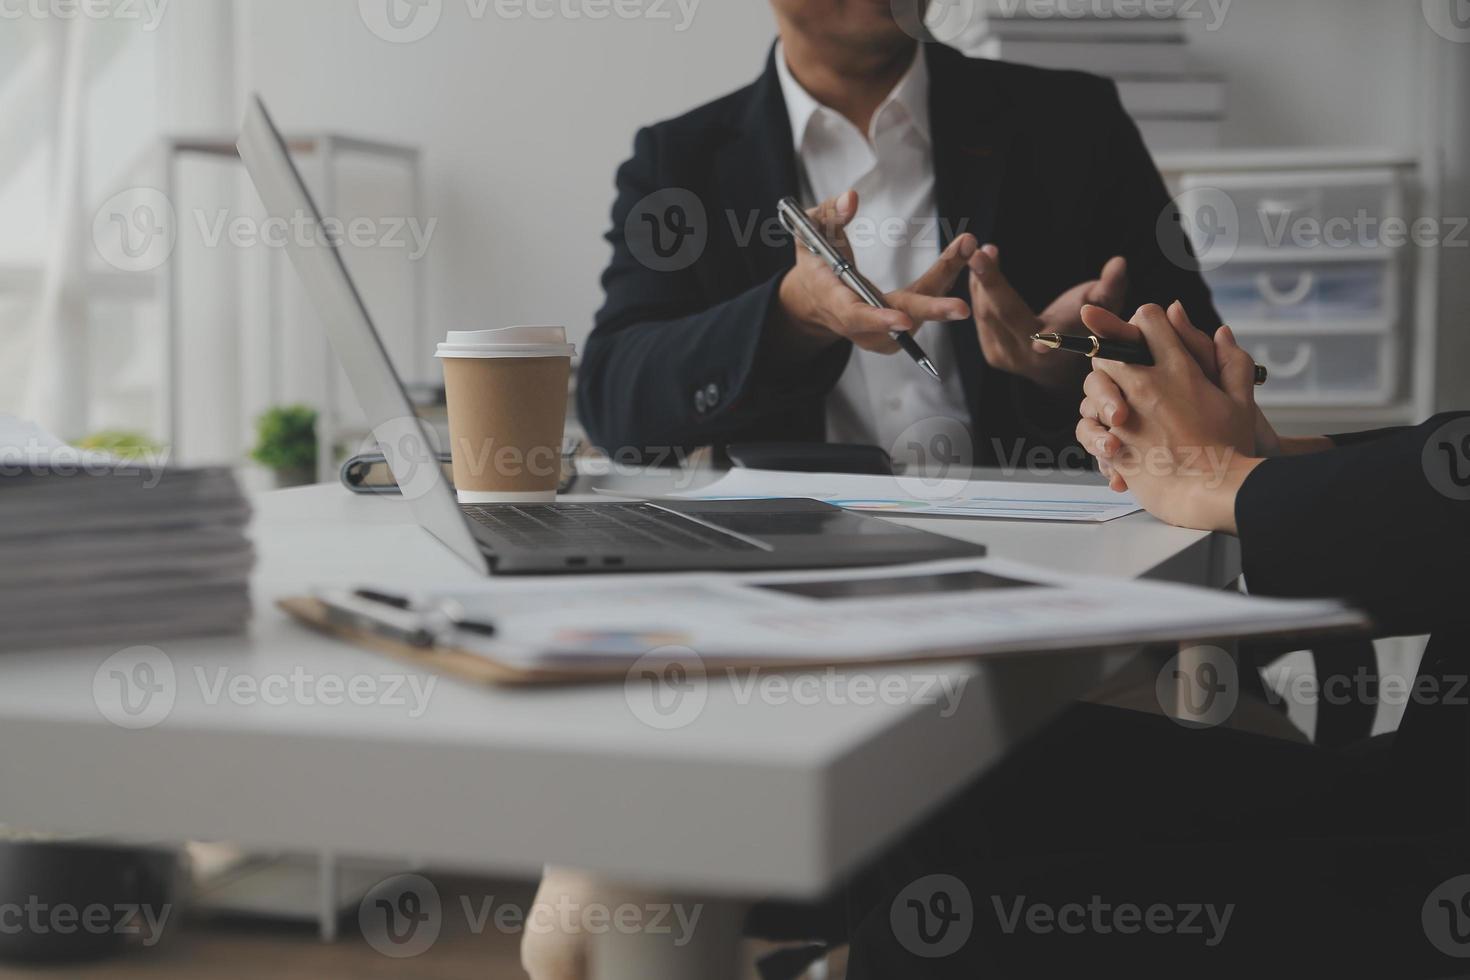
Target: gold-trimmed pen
{"x":1111,"y":350}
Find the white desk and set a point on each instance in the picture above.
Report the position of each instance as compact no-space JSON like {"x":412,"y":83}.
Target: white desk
{"x":750,"y":800}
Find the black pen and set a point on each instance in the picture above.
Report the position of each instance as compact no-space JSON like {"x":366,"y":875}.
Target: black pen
{"x":794,"y":219}
{"x":1111,"y":350}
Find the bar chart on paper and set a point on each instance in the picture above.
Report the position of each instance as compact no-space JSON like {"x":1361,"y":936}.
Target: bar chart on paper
{"x":914,"y":496}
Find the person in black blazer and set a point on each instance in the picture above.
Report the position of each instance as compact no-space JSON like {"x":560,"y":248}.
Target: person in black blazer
{"x":1380,"y":519}
{"x":1313,"y":861}
{"x":715,"y":331}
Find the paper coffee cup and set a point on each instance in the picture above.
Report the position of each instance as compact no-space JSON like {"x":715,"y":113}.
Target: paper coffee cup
{"x":507,"y":395}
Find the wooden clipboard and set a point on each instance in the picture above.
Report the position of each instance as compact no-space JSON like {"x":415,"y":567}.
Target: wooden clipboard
{"x":460,"y":663}
{"x":482,"y":669}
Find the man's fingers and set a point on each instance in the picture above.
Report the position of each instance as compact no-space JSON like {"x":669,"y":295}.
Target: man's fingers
{"x":832,"y":216}
{"x":1104,"y":394}
{"x":860,"y":318}
{"x":986,"y":280}
{"x":877,"y":343}
{"x":1109,"y":326}
{"x":868,"y":327}
{"x":942,"y":275}
{"x":836,"y":212}
{"x":922,"y":309}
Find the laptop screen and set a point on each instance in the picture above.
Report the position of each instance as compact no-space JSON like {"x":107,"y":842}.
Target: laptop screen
{"x":403,"y":436}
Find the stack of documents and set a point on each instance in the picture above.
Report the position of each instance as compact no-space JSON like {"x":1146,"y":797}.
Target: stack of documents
{"x":103,"y":552}
{"x":1143,"y":47}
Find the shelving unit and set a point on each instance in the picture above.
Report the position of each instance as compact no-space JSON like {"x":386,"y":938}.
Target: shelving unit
{"x":1350,"y":328}
{"x":324,"y":152}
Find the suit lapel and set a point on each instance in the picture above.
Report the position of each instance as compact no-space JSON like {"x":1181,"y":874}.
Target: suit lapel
{"x":756,"y":169}
{"x":972,"y":139}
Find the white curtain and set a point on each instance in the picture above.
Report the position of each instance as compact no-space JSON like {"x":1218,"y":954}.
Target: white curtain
{"x":56,"y":391}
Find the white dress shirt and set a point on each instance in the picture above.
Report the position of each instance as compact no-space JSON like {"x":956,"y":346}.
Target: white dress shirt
{"x":895,"y":238}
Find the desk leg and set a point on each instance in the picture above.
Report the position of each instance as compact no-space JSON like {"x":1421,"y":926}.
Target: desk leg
{"x":690,"y":938}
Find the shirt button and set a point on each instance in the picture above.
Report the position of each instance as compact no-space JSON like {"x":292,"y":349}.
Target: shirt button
{"x":711,"y":394}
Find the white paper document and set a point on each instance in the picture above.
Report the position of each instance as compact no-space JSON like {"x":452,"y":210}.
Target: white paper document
{"x":915,"y":496}
{"x":951,"y":609}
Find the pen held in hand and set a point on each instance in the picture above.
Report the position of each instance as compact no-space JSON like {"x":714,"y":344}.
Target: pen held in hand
{"x":795,"y":220}
{"x":1112,"y":350}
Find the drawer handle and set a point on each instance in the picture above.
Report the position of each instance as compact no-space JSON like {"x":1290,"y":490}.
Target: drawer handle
{"x":1278,"y":206}
{"x":1285,"y":369}
{"x":1305,"y":283}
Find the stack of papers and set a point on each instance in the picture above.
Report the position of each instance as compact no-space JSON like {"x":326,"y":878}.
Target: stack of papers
{"x":916,"y":496}
{"x":98,"y":551}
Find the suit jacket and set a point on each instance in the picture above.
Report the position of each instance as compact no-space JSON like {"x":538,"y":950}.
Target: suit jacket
{"x":1045,"y":164}
{"x":1384,"y":522}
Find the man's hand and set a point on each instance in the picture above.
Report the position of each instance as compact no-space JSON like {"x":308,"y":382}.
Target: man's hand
{"x":820,"y":309}
{"x":1180,"y":441}
{"x":1006,"y":323}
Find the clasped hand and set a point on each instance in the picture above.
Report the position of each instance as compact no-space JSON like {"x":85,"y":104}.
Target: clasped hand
{"x":1183,"y":434}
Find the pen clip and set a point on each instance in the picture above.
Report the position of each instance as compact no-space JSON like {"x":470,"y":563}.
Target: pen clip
{"x":795,"y":220}
{"x":783,"y":214}
{"x":436,"y":619}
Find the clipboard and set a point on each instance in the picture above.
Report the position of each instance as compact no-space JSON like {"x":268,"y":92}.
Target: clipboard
{"x":460,"y":663}
{"x":478,"y":667}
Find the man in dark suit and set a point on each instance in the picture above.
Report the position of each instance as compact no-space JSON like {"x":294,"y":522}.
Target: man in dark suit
{"x":994,"y":200}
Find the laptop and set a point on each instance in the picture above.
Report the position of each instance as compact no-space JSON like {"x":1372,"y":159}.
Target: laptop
{"x":556,"y":537}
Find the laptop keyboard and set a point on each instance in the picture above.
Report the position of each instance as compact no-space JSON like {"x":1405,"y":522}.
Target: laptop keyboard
{"x":599,"y":528}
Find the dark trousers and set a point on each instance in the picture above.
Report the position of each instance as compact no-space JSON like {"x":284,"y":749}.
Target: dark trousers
{"x":1125,"y":842}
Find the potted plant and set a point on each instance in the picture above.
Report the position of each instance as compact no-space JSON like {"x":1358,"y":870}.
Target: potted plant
{"x":286,"y":443}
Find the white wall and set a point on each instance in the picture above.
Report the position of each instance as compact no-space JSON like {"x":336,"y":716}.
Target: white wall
{"x":1315,"y":72}
{"x":523,"y":121}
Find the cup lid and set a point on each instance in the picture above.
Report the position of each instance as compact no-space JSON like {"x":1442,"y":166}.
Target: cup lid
{"x":528,"y":341}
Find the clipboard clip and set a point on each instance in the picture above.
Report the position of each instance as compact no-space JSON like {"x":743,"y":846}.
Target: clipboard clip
{"x":399,"y":618}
